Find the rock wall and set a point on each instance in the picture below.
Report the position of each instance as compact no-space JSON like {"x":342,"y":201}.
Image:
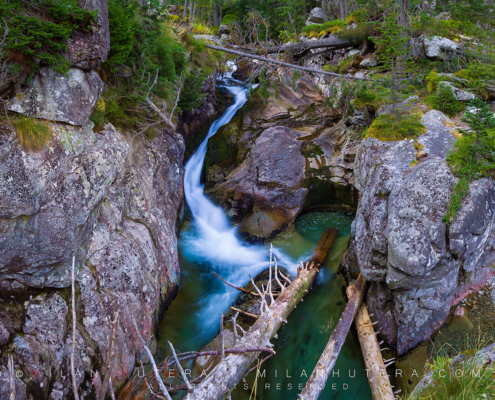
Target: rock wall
{"x":418,"y":267}
{"x":113,"y":204}
{"x":108,"y":199}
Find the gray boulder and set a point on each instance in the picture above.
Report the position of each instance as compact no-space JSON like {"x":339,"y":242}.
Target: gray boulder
{"x":223,"y":30}
{"x":434,"y":47}
{"x":316,"y":16}
{"x":57,"y":97}
{"x":368,"y":63}
{"x":460,"y":95}
{"x":418,"y":266}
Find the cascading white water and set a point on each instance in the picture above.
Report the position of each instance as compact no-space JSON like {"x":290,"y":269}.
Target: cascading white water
{"x":213,"y":240}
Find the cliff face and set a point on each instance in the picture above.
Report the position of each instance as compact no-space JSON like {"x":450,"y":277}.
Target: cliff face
{"x":112,"y":203}
{"x":110,"y":200}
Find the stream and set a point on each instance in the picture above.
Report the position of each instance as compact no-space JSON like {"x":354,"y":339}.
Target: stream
{"x":209,"y":243}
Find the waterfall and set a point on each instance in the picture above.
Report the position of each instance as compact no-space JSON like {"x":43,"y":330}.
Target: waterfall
{"x":213,"y":242}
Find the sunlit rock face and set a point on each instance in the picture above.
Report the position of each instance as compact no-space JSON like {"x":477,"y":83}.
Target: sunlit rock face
{"x":418,"y":266}
{"x":111,"y":202}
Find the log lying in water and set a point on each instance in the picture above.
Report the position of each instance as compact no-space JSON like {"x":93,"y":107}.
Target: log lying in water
{"x":228,"y":373}
{"x":318,"y":379}
{"x":376,"y":371}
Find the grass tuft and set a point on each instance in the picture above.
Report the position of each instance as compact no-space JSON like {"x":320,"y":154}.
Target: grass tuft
{"x":396,"y":126}
{"x":31,"y":133}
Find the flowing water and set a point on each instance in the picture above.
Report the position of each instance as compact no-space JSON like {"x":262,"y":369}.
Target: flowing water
{"x":209,"y":244}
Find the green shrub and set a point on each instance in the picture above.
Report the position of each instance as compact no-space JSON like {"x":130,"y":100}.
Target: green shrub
{"x":396,"y":126}
{"x":469,"y":379}
{"x":473,"y":155}
{"x":445,"y":101}
{"x":364,"y":95}
{"x":31,"y":133}
{"x":191,"y":96}
{"x":319,"y":30}
{"x":40,"y":30}
{"x":478,"y":77}
{"x":331,"y":68}
{"x":432,"y":81}
{"x":121,"y":34}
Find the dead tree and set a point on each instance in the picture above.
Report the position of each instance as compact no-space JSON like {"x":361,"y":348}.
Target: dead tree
{"x":318,"y":379}
{"x":229,"y":372}
{"x":298,"y":48}
{"x":283,"y":64}
{"x":372,"y":354}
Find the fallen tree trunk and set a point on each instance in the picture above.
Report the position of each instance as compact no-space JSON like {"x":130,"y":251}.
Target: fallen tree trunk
{"x":315,"y":44}
{"x":318,"y":379}
{"x":375,"y":367}
{"x":282,"y":64}
{"x":228,"y":373}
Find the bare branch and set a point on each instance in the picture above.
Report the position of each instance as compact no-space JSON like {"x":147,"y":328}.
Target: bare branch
{"x":235,"y":287}
{"x":111,"y":355}
{"x":11,"y":377}
{"x":181,"y":370}
{"x":270,"y":276}
{"x":72,"y":369}
{"x":283,"y":64}
{"x":161,"y":385}
{"x":245,"y":313}
{"x":222,"y":336}
{"x":282,"y":287}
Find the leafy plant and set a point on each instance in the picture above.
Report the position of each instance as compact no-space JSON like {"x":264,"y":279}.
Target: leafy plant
{"x":191,"y":96}
{"x":121,"y":34}
{"x":40,"y":30}
{"x":464,"y":379}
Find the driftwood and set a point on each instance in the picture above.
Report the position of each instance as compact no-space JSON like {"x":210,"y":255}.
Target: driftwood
{"x":318,"y":379}
{"x":282,"y":64}
{"x":375,"y":367}
{"x":229,"y":372}
{"x":315,"y":44}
